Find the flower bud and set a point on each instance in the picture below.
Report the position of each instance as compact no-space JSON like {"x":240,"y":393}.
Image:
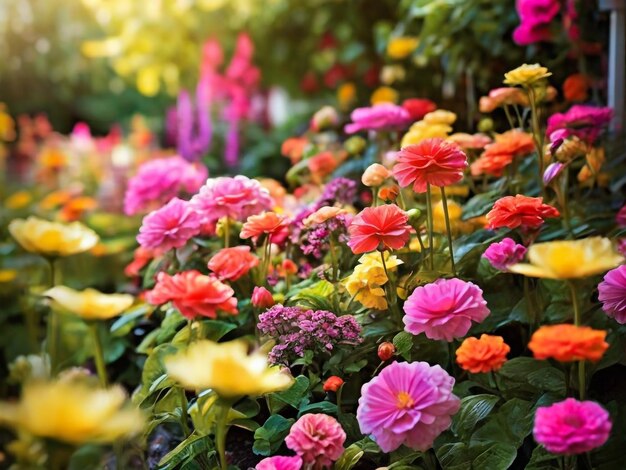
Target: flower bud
{"x":552,"y":172}
{"x":375,"y":175}
{"x":485,"y":125}
{"x":389,"y":194}
{"x":333,"y":383}
{"x":355,"y":145}
{"x":325,"y":118}
{"x":262,"y":298}
{"x":386,"y":351}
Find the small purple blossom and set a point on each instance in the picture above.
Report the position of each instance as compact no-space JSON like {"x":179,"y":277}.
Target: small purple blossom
{"x":503,"y":254}
{"x":315,"y":240}
{"x":553,"y":170}
{"x":337,"y":191}
{"x":296,"y":331}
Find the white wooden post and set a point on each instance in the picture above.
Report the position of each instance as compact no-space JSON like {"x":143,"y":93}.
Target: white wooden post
{"x":617,"y":59}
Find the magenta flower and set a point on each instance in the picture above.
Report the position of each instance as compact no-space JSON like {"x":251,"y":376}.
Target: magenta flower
{"x":444,"y":309}
{"x":407,"y":403}
{"x":527,"y":33}
{"x":385,"y":116}
{"x":236,"y":197}
{"x":280,"y":463}
{"x":620,"y":218}
{"x":159,"y":180}
{"x":535,"y":16}
{"x":583,"y":121}
{"x":571,"y":426}
{"x":503,"y":254}
{"x":612,"y":294}
{"x":317,"y":438}
{"x":171,"y":226}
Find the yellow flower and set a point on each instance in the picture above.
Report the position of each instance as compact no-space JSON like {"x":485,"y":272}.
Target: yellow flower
{"x":18,"y":200}
{"x":392,"y":73}
{"x":569,"y":259}
{"x":526,"y":75}
{"x":384,"y":94}
{"x":401,"y":47}
{"x":595,"y":159}
{"x":366,"y":281}
{"x":346,"y":95}
{"x":571,"y":148}
{"x":73,"y":412}
{"x":52,"y":239}
{"x":423,"y":130}
{"x":7,"y":275}
{"x":90,"y":304}
{"x":7,"y":125}
{"x":227,"y":368}
{"x":440,"y":116}
{"x":52,"y":158}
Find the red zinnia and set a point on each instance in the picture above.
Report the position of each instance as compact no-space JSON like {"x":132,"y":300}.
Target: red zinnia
{"x":432,"y":161}
{"x":232,"y":263}
{"x":520,"y":211}
{"x":193,"y":294}
{"x":383,"y":227}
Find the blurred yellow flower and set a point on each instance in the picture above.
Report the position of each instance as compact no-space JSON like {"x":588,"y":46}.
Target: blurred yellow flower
{"x":423,"y":130}
{"x":366,"y":281}
{"x":401,"y":47}
{"x":346,"y":95}
{"x":384,"y":94}
{"x":52,"y":239}
{"x":569,"y":259}
{"x":52,"y":158}
{"x":440,"y":116}
{"x":73,"y":412}
{"x":392,"y":73}
{"x":226,"y":368}
{"x":526,"y":75}
{"x":455,"y":212}
{"x":18,"y":200}
{"x":90,"y":304}
{"x":595,"y":159}
{"x":7,"y":275}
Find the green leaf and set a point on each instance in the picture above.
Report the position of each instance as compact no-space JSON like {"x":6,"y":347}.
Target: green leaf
{"x":403,"y":342}
{"x":510,"y":425}
{"x":269,"y":437}
{"x":186,"y":451}
{"x":480,"y":204}
{"x":541,"y":459}
{"x":292,"y":396}
{"x":473,"y":409}
{"x":349,"y":458}
{"x":320,"y":407}
{"x":497,"y":456}
{"x":549,"y":379}
{"x":130,"y":317}
{"x":87,"y":457}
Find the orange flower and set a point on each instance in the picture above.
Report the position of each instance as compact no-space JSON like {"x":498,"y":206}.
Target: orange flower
{"x":575,"y":87}
{"x":389,"y":194}
{"x":482,"y":355}
{"x":322,"y":164}
{"x":383,"y":227}
{"x":293,"y":148}
{"x":520,"y":211}
{"x":141,"y":257}
{"x":229,"y":264}
{"x":322,"y":215}
{"x":500,"y":154}
{"x":268,"y":222}
{"x":193,"y":294}
{"x":75,"y":208}
{"x":567,"y":343}
{"x":493,"y":165}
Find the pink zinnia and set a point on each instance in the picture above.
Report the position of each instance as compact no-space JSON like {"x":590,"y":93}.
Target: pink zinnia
{"x":317,"y":438}
{"x":157,"y":181}
{"x":169,"y":227}
{"x":503,"y":254}
{"x":407,"y":403}
{"x":383,"y":227}
{"x":385,"y":116}
{"x":612,"y":294}
{"x":432,"y":161}
{"x":236,"y":197}
{"x":571,"y":426}
{"x":583,"y":121}
{"x":444,"y":309}
{"x":280,"y":463}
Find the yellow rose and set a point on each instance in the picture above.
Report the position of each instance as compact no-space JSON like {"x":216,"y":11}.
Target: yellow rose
{"x":384,"y":94}
{"x":90,"y":304}
{"x":401,"y":47}
{"x":526,"y":75}
{"x":52,"y":239}
{"x":18,"y":200}
{"x":73,"y":412}
{"x":569,"y":259}
{"x":226,"y":368}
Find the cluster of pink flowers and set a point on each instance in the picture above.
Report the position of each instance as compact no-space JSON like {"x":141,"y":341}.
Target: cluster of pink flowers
{"x":444,"y":309}
{"x":296,"y":330}
{"x":236,"y":197}
{"x":157,"y":181}
{"x":382,"y":117}
{"x":407,"y":403}
{"x":503,"y":254}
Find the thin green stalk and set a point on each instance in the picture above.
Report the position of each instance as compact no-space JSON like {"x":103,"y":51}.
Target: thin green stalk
{"x":374,"y":196}
{"x":220,"y":435}
{"x":444,"y":200}
{"x":509,"y":118}
{"x":429,"y":216}
{"x":183,"y":412}
{"x":402,"y":201}
{"x":339,"y":401}
{"x":98,"y":353}
{"x":52,"y":333}
{"x":537,"y":135}
{"x":577,"y":320}
{"x":333,"y":258}
{"x":227,"y":232}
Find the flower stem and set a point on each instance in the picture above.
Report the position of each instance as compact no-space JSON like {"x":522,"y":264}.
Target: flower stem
{"x":52,"y":333}
{"x":98,"y":353}
{"x":537,"y":136}
{"x":183,"y":412}
{"x":444,"y":200}
{"x":374,"y":196}
{"x":581,"y":364}
{"x":220,"y":434}
{"x":429,"y":216}
{"x":227,"y":232}
{"x":333,"y":257}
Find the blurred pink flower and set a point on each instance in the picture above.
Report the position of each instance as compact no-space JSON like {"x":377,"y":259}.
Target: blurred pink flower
{"x":280,"y":463}
{"x":572,"y":427}
{"x":503,"y":254}
{"x":444,"y":309}
{"x":236,"y":197}
{"x":385,"y":116}
{"x":159,"y":180}
{"x":620,"y":218}
{"x":584,"y":121}
{"x":612,"y":294}
{"x":407,"y":403}
{"x":317,"y":438}
{"x":535,"y":18}
{"x":169,"y":227}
